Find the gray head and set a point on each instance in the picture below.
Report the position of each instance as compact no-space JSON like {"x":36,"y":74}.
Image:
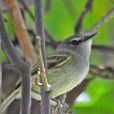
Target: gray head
{"x":77,"y":44}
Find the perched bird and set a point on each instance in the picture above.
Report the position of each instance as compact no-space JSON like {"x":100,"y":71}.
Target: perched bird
{"x":67,"y":68}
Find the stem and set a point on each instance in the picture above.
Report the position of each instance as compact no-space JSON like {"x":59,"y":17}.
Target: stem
{"x":88,"y":7}
{"x":22,"y":67}
{"x":20,"y":30}
{"x":103,"y":20}
{"x":40,"y":32}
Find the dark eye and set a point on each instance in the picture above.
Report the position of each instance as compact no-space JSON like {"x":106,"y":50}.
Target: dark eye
{"x":75,"y":42}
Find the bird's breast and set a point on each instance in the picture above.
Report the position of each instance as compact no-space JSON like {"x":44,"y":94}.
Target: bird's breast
{"x":67,"y":77}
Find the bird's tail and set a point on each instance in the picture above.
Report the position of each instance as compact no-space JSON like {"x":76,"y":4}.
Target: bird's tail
{"x":10,"y":99}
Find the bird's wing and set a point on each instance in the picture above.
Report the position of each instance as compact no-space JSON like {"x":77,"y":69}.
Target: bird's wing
{"x":52,"y":62}
{"x":57,"y":60}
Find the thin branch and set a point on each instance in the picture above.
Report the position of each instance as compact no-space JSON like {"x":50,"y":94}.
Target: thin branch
{"x":26,"y":8}
{"x":103,"y":20}
{"x":41,"y":68}
{"x":103,"y":48}
{"x":74,"y":93}
{"x":20,"y":30}
{"x":40,"y":32}
{"x":48,"y":5}
{"x":102,"y":71}
{"x":22,"y":67}
{"x":53,"y":43}
{"x":8,"y":47}
{"x":88,"y":7}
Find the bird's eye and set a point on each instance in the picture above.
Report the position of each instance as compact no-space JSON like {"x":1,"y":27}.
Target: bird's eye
{"x":74,"y":42}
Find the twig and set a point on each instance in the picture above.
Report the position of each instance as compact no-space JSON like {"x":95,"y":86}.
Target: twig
{"x":88,"y":7}
{"x":102,"y":71}
{"x":73,"y":94}
{"x":53,"y":43}
{"x":42,"y":72}
{"x":22,"y":67}
{"x":40,"y":32}
{"x":48,"y":5}
{"x":6,"y":43}
{"x":26,"y":8}
{"x":20,"y":30}
{"x":103,"y":48}
{"x":103,"y":20}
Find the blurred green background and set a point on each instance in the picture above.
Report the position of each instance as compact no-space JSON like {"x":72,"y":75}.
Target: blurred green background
{"x":59,"y":21}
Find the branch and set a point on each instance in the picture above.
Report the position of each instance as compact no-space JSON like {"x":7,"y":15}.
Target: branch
{"x":102,"y":71}
{"x":22,"y":67}
{"x":8,"y":47}
{"x":41,"y":68}
{"x":103,"y":48}
{"x":53,"y":43}
{"x":48,"y":5}
{"x":74,"y":93}
{"x":103,"y":20}
{"x":88,"y":7}
{"x":40,"y":33}
{"x":20,"y":30}
{"x":26,"y":8}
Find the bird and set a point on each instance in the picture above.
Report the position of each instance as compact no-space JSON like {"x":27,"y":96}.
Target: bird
{"x":66,"y":68}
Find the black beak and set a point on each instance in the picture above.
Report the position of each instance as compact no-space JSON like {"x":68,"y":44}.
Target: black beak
{"x":88,"y":36}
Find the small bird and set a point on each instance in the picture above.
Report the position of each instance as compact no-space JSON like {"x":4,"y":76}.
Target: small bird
{"x":67,"y":68}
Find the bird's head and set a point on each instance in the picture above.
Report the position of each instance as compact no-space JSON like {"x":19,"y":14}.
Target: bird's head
{"x":77,"y":44}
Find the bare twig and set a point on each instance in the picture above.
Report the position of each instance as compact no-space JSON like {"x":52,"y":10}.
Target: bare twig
{"x":88,"y":7}
{"x":40,"y":32}
{"x":6,"y":43}
{"x":73,"y":94}
{"x":102,"y":71}
{"x":26,"y":8}
{"x":53,"y":43}
{"x":42,"y":72}
{"x":103,"y":48}
{"x":20,"y":30}
{"x":48,"y":5}
{"x":103,"y":20}
{"x":22,"y":67}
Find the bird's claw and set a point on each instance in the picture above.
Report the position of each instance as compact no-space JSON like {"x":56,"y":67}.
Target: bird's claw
{"x":60,"y":107}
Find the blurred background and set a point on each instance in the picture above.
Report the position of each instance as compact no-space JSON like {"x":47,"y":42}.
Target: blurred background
{"x":60,"y":21}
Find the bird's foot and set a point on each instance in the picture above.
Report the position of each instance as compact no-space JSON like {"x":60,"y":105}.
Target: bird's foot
{"x":61,"y":108}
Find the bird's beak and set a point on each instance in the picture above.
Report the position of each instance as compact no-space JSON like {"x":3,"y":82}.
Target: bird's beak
{"x":88,"y":36}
